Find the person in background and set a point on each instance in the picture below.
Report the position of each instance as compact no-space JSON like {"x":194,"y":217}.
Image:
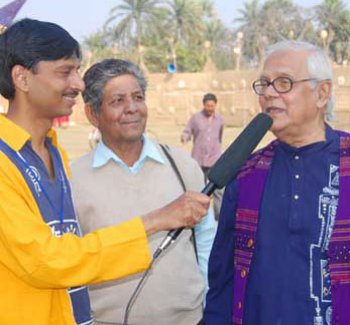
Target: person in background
{"x":44,"y":262}
{"x":206,"y":130}
{"x":129,"y":172}
{"x":281,"y":254}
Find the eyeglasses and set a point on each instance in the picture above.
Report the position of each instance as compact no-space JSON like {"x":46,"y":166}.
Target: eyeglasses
{"x":281,"y":84}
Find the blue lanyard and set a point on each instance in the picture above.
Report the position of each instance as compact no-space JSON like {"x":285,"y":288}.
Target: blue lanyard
{"x":42,"y":189}
{"x":28,"y":170}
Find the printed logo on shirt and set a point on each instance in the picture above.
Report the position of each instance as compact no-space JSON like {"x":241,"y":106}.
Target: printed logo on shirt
{"x":68,"y":226}
{"x":34,"y":177}
{"x":329,"y":315}
{"x":63,"y":182}
{"x":325,"y":282}
{"x":320,"y":291}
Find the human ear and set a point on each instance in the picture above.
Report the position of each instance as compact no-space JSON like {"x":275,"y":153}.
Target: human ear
{"x":19,"y":76}
{"x":324,"y":93}
{"x":91,"y":115}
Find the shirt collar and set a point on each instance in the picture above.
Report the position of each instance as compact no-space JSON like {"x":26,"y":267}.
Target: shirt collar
{"x":206,"y":116}
{"x":103,"y":155}
{"x":332,"y":139}
{"x":15,"y":136}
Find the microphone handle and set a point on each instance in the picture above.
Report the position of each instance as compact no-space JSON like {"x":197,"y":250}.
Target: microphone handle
{"x":173,"y":234}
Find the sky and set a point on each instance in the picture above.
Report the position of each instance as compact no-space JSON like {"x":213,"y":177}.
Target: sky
{"x":84,"y":17}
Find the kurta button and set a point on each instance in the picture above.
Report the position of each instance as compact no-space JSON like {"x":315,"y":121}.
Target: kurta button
{"x":239,"y":305}
{"x":243,"y":273}
{"x":250,"y":243}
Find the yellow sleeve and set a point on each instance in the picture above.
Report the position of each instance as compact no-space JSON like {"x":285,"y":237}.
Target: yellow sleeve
{"x":33,"y":254}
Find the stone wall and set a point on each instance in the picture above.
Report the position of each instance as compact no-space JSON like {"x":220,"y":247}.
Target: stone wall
{"x":172,"y":98}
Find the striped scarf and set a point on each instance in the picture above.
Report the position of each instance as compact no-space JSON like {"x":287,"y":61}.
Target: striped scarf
{"x":254,"y":175}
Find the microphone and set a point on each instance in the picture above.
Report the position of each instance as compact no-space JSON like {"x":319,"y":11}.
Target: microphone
{"x":228,"y":165}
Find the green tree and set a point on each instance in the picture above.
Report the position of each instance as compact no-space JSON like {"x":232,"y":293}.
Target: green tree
{"x":184,"y":19}
{"x":251,"y":24}
{"x":183,"y":31}
{"x":132,"y":17}
{"x":334,"y":19}
{"x":341,"y":43}
{"x":270,"y":22}
{"x":282,"y":17}
{"x":176,"y":31}
{"x":221,"y":41}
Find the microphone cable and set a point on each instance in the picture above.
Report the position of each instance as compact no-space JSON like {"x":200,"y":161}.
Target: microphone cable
{"x":223,"y":171}
{"x":137,"y":291}
{"x":133,"y":296}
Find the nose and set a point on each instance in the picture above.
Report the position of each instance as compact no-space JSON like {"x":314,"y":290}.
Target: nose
{"x":77,"y":82}
{"x":270,"y":91}
{"x":130,"y":105}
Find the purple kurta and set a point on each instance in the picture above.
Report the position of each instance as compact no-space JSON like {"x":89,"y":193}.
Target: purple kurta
{"x":253,"y":175}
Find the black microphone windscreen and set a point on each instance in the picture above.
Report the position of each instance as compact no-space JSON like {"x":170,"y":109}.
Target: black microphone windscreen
{"x":226,"y":168}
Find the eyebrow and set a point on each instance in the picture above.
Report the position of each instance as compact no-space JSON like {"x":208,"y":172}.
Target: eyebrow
{"x":69,"y":66}
{"x":138,"y":91}
{"x":282,"y":74}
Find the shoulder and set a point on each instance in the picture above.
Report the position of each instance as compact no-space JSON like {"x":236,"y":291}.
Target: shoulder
{"x":196,"y":116}
{"x":13,"y":181}
{"x":181,"y":156}
{"x":342,"y":134}
{"x":260,"y":159}
{"x":188,"y":167}
{"x":344,"y":139}
{"x":81,"y":165}
{"x":8,"y":169}
{"x":218,"y":116}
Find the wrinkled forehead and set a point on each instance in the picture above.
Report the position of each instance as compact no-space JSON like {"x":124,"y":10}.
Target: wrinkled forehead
{"x":287,"y":62}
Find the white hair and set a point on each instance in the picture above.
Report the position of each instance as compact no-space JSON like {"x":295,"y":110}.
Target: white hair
{"x":319,"y":66}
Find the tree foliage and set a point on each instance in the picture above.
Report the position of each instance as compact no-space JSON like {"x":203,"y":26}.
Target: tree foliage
{"x":185,"y":32}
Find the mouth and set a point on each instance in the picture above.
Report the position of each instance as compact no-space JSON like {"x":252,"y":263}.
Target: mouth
{"x":131,"y":122}
{"x":272,"y":110}
{"x":70,"y":97}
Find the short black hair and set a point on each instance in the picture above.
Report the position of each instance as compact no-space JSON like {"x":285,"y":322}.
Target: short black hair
{"x":29,"y":41}
{"x":208,"y":97}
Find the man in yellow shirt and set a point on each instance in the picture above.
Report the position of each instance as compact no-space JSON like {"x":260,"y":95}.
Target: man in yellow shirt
{"x":44,"y":264}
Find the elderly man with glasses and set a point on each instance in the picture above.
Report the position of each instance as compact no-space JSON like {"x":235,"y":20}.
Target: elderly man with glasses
{"x":282,"y":251}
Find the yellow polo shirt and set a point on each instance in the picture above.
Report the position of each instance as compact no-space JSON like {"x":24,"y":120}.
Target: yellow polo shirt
{"x":36,"y":267}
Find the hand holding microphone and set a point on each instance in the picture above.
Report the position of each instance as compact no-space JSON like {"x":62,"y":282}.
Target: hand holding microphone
{"x":228,"y":165}
{"x":189,"y":208}
{"x":186,"y":211}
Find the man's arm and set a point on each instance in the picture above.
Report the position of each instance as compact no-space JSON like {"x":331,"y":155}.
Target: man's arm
{"x":221,"y":132}
{"x":205,"y":233}
{"x":188,"y":131}
{"x":186,"y":211}
{"x":30,"y":251}
{"x":219,"y":299}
